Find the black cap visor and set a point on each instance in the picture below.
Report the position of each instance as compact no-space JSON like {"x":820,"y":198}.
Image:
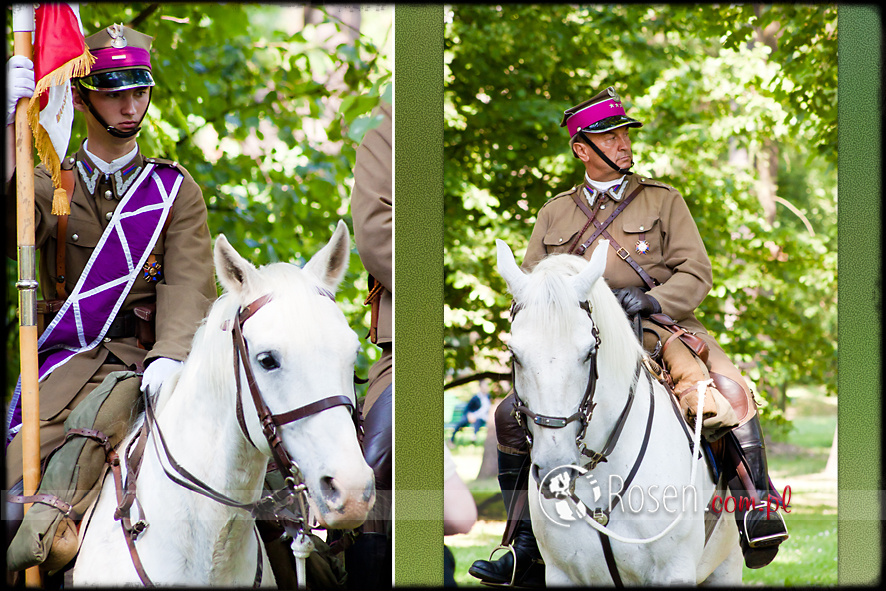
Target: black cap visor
{"x":610,"y":123}
{"x":118,"y":80}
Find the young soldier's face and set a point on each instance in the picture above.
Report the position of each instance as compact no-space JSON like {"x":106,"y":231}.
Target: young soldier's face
{"x":122,"y":109}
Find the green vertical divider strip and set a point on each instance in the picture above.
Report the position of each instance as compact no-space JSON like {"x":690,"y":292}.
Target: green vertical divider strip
{"x":860,"y":298}
{"x":418,"y":295}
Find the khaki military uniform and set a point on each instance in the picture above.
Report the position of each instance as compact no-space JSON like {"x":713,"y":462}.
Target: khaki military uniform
{"x":183,"y":294}
{"x":676,"y":257}
{"x":370,"y":559}
{"x":372,"y":210}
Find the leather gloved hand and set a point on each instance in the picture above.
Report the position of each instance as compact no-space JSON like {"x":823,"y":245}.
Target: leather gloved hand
{"x":19,"y":83}
{"x":634,"y":300}
{"x":156,"y":373}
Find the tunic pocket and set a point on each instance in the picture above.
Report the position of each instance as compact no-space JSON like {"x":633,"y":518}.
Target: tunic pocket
{"x":558,"y":240}
{"x":643,"y":238}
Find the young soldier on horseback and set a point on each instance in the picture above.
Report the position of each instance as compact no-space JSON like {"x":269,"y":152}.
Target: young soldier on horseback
{"x":146,"y":326}
{"x":662,"y":273}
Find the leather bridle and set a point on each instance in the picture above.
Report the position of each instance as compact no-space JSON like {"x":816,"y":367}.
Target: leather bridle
{"x":585,"y":410}
{"x":295,"y":492}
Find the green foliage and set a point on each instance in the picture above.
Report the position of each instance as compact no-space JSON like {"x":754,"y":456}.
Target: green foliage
{"x":715,"y":100}
{"x":266,"y":120}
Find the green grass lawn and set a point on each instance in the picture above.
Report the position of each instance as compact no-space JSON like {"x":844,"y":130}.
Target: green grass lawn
{"x":808,"y":557}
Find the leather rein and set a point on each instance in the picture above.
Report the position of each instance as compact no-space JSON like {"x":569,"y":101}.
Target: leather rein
{"x":295,"y":492}
{"x":584,"y":414}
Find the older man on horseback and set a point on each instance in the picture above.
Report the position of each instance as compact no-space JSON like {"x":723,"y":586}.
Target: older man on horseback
{"x":146,"y":326}
{"x":662,"y":273}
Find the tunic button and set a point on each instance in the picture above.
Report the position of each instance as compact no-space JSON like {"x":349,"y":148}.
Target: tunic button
{"x":106,"y":340}
{"x":641,"y":227}
{"x":108,"y":195}
{"x":560,"y":240}
{"x":602,"y":207}
{"x":75,"y":237}
{"x":109,"y":215}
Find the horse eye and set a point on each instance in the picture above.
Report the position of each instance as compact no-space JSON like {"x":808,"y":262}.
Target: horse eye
{"x":514,"y":357}
{"x":268,"y":361}
{"x":590,"y":354}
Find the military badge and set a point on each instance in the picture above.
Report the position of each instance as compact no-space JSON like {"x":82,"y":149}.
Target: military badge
{"x":152,"y":272}
{"x":642,"y":247}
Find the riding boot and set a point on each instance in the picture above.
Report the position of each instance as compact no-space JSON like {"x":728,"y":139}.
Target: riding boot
{"x":48,"y":535}
{"x":761,"y":528}
{"x":513,"y":471}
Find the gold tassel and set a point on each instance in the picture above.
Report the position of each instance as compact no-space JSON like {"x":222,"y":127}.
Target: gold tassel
{"x":60,"y":204}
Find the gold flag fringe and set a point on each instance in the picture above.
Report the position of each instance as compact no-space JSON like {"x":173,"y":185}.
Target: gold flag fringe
{"x":76,"y":68}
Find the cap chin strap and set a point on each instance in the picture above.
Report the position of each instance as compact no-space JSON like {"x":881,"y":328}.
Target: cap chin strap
{"x":84,"y":94}
{"x":603,"y":156}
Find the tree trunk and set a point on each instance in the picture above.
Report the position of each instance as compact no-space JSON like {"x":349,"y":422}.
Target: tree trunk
{"x":831,"y":468}
{"x":489,"y":464}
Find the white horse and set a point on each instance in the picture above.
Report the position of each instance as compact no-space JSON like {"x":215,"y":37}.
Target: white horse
{"x":300,"y":349}
{"x":554,"y":345}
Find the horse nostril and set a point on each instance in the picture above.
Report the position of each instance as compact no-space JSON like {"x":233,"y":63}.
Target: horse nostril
{"x":535,"y":473}
{"x":328,"y":489}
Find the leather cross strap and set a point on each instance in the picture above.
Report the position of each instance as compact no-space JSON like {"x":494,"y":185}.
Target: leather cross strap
{"x":592,"y":216}
{"x":62,"y":236}
{"x":601,"y":229}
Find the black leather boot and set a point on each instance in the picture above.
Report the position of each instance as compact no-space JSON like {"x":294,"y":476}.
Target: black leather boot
{"x":761,"y":529}
{"x":513,"y":472}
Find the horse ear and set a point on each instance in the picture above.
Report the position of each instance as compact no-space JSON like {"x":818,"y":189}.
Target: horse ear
{"x":331,"y":261}
{"x":232,"y":270}
{"x":508,"y":269}
{"x":592,"y":271}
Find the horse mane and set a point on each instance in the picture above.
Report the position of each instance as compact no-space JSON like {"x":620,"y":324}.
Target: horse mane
{"x":549,"y":294}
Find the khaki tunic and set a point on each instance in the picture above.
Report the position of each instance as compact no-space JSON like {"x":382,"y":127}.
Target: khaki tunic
{"x":676,"y":258}
{"x":183,"y":295}
{"x":372,"y":210}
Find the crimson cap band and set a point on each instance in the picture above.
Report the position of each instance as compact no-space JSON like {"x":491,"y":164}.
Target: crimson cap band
{"x":603,"y":112}
{"x":122,"y":59}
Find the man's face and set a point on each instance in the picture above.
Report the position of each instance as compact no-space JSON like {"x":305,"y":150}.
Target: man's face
{"x":122,"y":109}
{"x":615,"y":144}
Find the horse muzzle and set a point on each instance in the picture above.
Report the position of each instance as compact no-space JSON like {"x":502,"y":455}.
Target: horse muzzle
{"x":343,"y":501}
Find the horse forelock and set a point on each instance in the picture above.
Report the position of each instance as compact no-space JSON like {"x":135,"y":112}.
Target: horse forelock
{"x":294,"y":299}
{"x":550,"y":299}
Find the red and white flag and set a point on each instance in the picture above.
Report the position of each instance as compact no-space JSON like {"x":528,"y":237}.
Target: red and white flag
{"x":60,"y":53}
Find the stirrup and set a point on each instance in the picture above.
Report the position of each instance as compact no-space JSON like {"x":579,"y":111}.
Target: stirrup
{"x":765,"y":541}
{"x":509,"y":548}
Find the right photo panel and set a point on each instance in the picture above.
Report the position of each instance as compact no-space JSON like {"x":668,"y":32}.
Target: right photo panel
{"x":640,"y":294}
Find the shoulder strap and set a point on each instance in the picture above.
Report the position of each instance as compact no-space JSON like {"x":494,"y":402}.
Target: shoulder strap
{"x":61,"y":238}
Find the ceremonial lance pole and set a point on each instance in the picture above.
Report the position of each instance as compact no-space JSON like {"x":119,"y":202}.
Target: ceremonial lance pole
{"x":23,"y":26}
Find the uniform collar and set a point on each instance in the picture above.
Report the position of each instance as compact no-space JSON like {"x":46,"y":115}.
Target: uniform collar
{"x":615,"y":190}
{"x":119,"y":174}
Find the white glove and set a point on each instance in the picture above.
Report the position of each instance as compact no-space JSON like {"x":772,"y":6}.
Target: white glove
{"x":19,"y":83}
{"x":157,"y":372}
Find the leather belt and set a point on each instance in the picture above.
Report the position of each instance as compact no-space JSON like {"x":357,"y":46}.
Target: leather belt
{"x":123,"y":326}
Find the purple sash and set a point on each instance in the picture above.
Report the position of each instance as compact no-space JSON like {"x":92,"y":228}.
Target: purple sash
{"x":115,"y":264}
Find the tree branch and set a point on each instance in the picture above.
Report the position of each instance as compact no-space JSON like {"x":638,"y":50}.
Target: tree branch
{"x":143,"y":16}
{"x":491,"y":375}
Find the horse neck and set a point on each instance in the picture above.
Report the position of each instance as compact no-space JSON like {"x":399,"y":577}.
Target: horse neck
{"x":202,"y":433}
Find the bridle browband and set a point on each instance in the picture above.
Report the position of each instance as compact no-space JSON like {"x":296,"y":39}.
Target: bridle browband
{"x":295,"y":492}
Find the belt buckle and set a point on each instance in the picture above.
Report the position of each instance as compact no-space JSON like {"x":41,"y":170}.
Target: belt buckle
{"x":619,"y":251}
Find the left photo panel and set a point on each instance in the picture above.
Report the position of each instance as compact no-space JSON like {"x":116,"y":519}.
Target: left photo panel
{"x":199,"y":230}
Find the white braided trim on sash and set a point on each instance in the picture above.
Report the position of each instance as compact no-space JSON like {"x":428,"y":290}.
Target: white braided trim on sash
{"x":134,"y":266}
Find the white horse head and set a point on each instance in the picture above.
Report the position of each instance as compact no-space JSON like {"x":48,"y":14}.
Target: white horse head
{"x":553,"y":342}
{"x":302,"y":350}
